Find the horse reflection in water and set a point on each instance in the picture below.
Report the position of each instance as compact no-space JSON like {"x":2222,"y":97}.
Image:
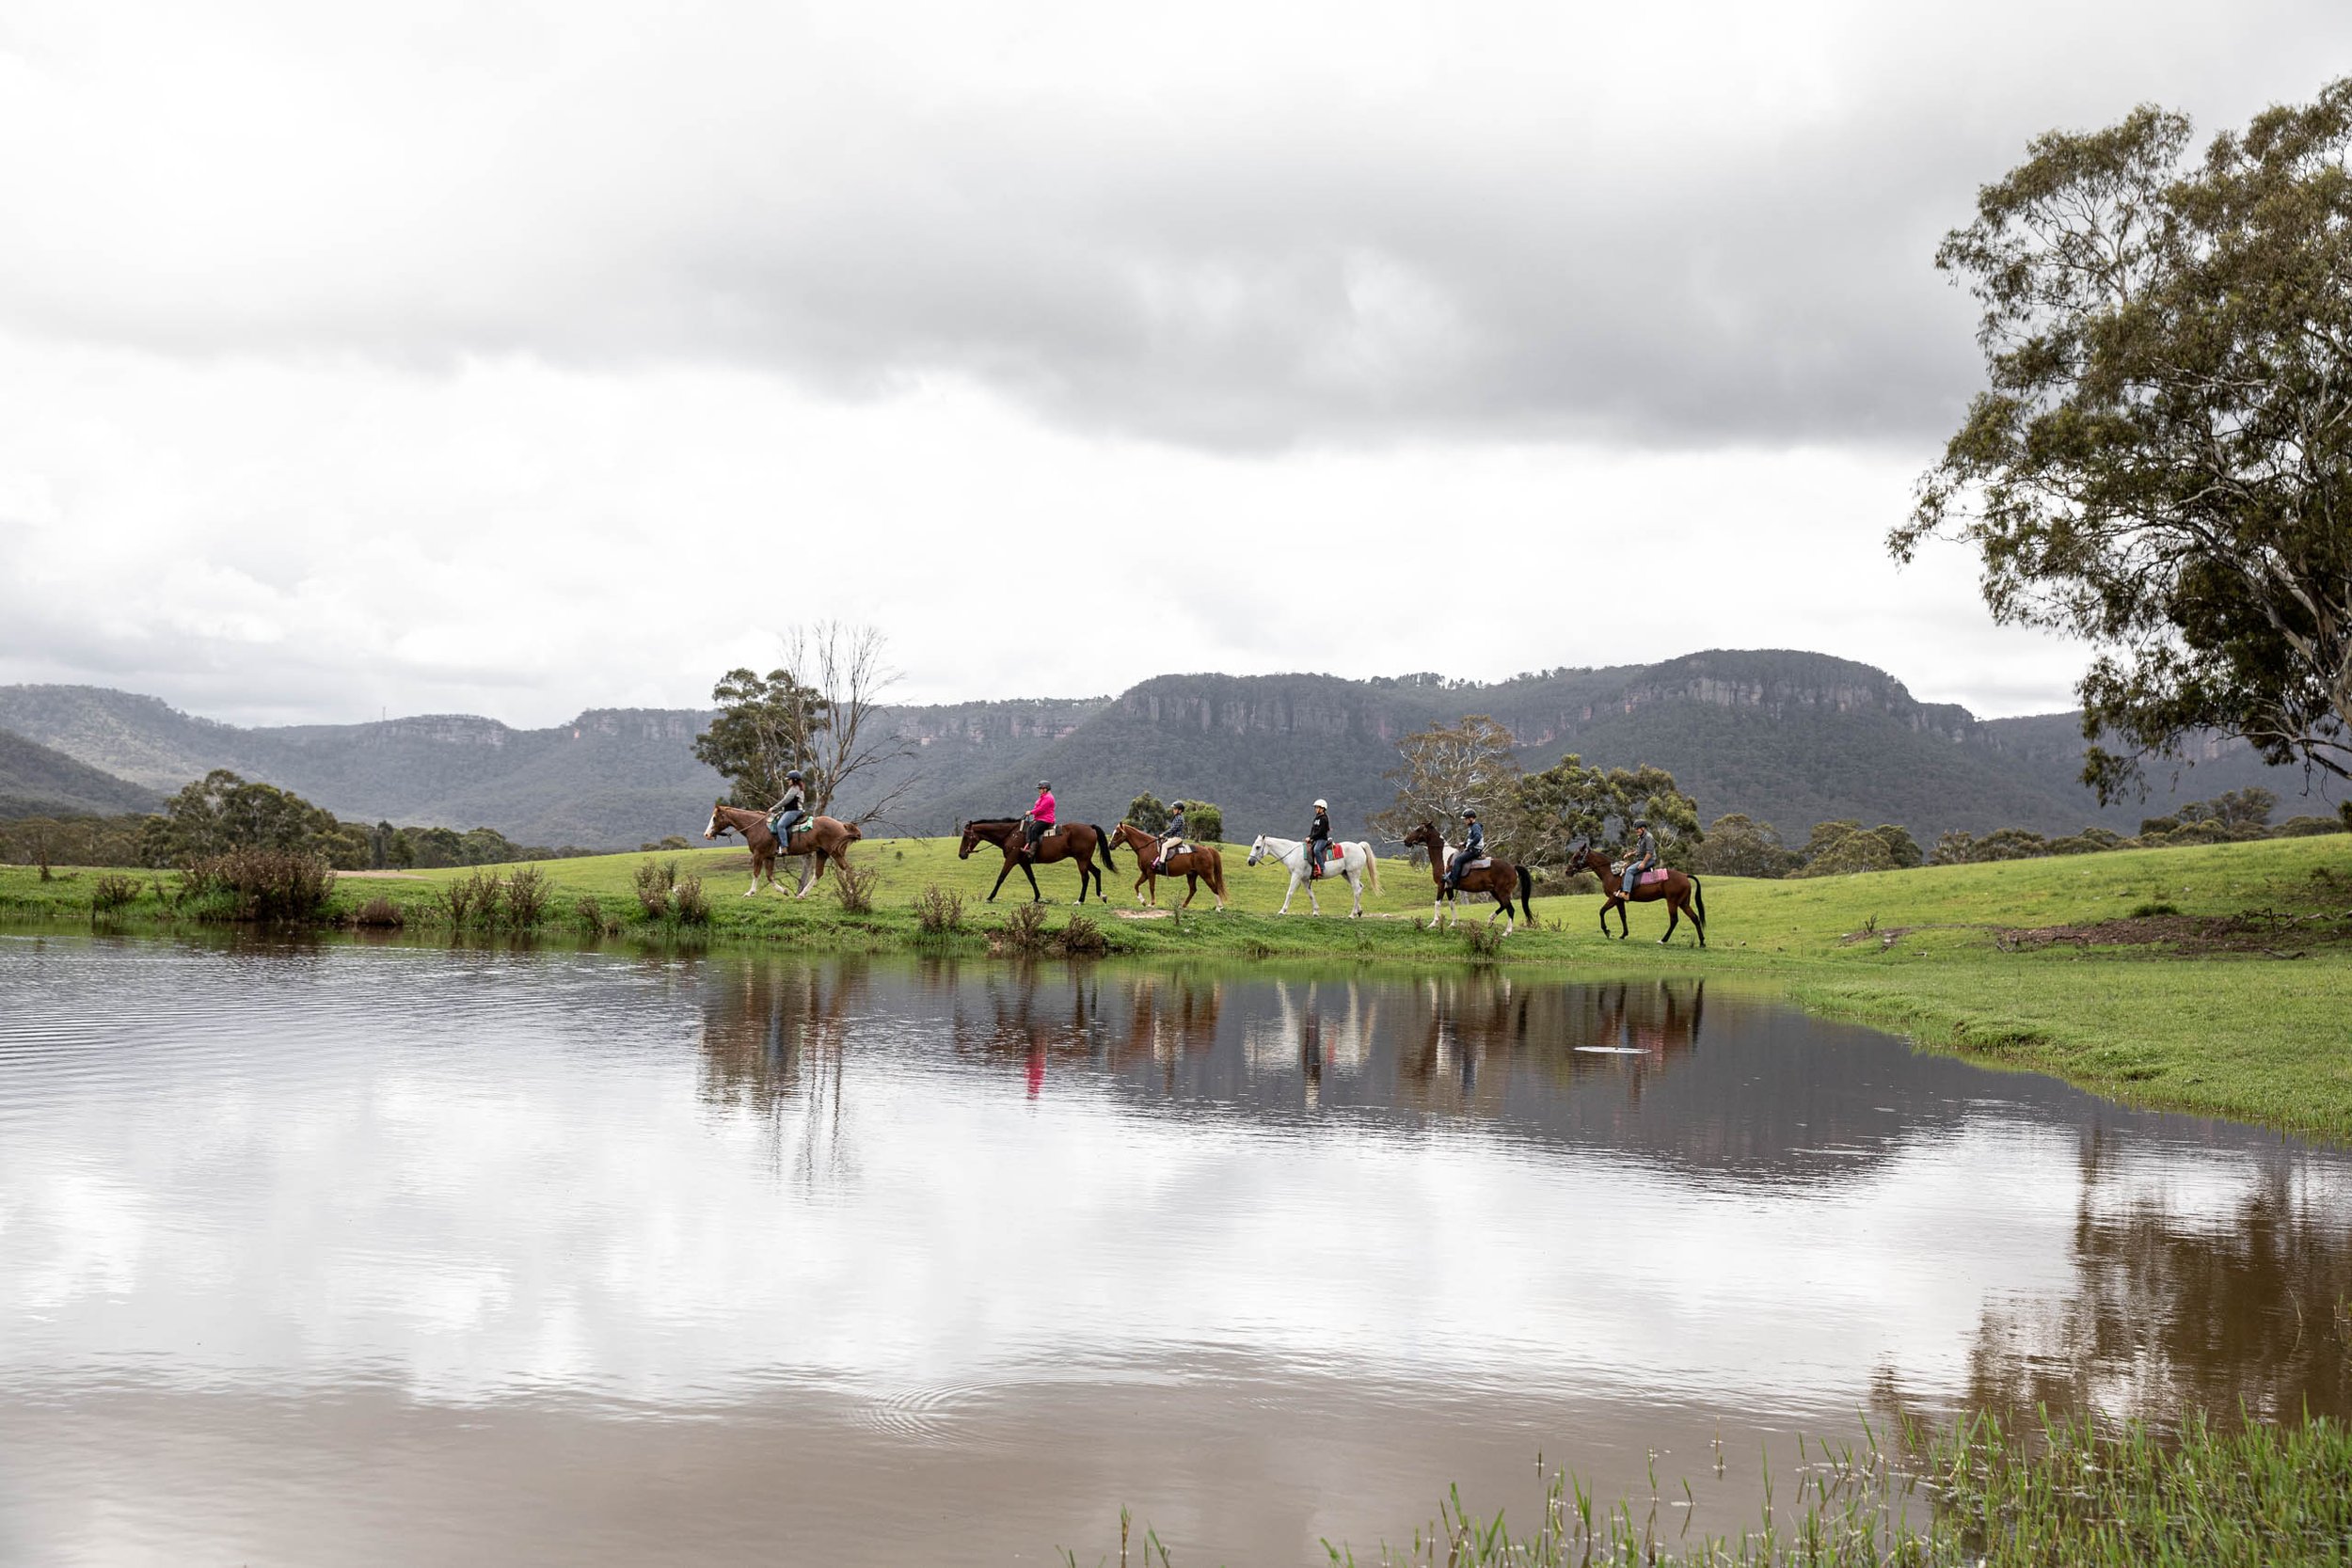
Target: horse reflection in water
{"x":1629,"y":1031}
{"x":773,"y":1039}
{"x":1317,"y":1027}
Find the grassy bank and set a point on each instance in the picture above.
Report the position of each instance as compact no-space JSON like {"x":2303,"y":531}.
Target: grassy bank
{"x":2215,"y":978}
{"x":1983,"y":1496}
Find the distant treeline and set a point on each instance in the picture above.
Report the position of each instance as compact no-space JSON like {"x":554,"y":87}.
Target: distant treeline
{"x":223,"y":812}
{"x":1736,"y":845}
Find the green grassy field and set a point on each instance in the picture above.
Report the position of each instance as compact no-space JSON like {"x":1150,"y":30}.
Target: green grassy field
{"x":2216,"y":978}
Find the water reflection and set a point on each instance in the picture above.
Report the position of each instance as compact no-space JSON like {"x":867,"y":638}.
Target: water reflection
{"x":1075,"y":1222}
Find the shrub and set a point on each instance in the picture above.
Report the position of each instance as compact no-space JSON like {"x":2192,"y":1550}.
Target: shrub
{"x":1083,"y":938}
{"x":1484,"y":940}
{"x":527,"y":896}
{"x":688,"y":900}
{"x":381,"y":911}
{"x":274,"y":885}
{"x":939,"y":910}
{"x":2157,"y":907}
{"x":654,"y":882}
{"x":591,"y":915}
{"x":1206,"y":822}
{"x":111,"y":892}
{"x":455,"y":900}
{"x":1024,"y":930}
{"x":854,"y":889}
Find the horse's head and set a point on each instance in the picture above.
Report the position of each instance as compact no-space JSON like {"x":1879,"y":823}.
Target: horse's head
{"x":1579,"y":851}
{"x":1424,"y":837}
{"x":971,"y":836}
{"x":1257,"y":850}
{"x":719,"y":824}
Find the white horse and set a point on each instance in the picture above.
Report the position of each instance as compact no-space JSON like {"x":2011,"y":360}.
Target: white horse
{"x":1357,"y":862}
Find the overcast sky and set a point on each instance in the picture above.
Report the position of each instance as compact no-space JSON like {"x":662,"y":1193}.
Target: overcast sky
{"x":515,"y":359}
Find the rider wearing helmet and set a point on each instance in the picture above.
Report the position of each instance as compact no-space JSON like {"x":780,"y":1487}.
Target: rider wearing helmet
{"x":1039,"y":820}
{"x":1473,"y":846}
{"x":1319,"y":839}
{"x":1171,"y":836}
{"x":1644,"y":854}
{"x":791,"y":809}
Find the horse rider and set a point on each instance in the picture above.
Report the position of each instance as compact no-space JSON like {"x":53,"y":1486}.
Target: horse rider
{"x":791,"y":809}
{"x":1171,"y":837}
{"x":1040,"y":821}
{"x":1319,"y":838}
{"x":1645,"y":854}
{"x":1473,"y":846}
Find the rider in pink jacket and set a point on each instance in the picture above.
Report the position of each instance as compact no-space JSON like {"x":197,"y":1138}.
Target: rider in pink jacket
{"x":1040,"y":818}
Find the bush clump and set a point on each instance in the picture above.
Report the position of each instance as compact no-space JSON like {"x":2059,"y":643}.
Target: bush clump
{"x":689,"y":903}
{"x":527,"y":896}
{"x":1024,"y":930}
{"x":854,"y":889}
{"x":939,"y":910}
{"x":654,"y":878}
{"x":109,"y":893}
{"x":276,"y":886}
{"x":1083,"y":939}
{"x":590,"y":913}
{"x":381,"y":912}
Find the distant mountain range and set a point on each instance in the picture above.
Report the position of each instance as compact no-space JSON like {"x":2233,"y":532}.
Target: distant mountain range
{"x":1790,"y":737}
{"x":39,"y":780}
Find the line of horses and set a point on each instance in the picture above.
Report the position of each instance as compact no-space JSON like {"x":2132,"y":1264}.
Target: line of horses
{"x":824,"y":840}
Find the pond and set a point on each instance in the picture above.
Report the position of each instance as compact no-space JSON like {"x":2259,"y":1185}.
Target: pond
{"x":392,"y":1254}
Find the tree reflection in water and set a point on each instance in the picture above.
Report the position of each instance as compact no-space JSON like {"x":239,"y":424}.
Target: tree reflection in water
{"x":2238,"y":1304}
{"x":773,"y":1039}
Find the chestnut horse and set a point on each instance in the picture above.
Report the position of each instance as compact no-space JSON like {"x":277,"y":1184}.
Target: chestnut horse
{"x":1075,"y":840}
{"x":1497,"y":879}
{"x":823,"y":837}
{"x":1678,"y":889}
{"x":1195,"y":863}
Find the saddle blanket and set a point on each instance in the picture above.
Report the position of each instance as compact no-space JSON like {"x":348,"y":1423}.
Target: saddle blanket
{"x":1656,"y":874}
{"x":1479,"y":865}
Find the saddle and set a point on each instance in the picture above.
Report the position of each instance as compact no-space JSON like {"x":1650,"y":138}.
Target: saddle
{"x":1654,"y":875}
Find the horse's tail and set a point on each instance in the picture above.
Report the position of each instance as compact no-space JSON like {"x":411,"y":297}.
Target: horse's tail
{"x":1698,"y":902}
{"x":1372,"y":865}
{"x":1103,"y":841}
{"x":1527,"y":894}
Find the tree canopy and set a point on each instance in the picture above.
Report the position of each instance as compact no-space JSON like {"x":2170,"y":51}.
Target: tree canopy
{"x":766,"y":725}
{"x":2161,"y":462}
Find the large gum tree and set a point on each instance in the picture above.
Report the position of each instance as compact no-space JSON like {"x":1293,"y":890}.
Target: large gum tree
{"x":2161,"y":460}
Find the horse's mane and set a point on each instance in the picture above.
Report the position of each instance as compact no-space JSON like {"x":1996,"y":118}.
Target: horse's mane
{"x":993,"y":822}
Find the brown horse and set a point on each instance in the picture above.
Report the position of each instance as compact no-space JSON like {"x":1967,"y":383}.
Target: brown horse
{"x":823,"y":837}
{"x":1497,"y":879}
{"x":1679,"y":890}
{"x":1195,"y":863}
{"x":1073,"y":841}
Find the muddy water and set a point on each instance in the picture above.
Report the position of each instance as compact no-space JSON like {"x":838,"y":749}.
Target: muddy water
{"x":398,"y":1254}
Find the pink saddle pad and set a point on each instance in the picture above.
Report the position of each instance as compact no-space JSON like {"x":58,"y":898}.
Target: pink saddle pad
{"x":1657,"y":875}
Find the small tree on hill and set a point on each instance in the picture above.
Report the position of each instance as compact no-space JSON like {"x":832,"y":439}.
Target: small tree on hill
{"x":1446,"y":769}
{"x":1147,"y":810}
{"x":221,"y":812}
{"x":766,"y":725}
{"x":1739,"y":846}
{"x":1569,"y":799}
{"x":1205,"y":822}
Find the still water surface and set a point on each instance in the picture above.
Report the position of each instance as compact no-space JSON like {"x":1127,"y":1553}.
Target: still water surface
{"x":390,"y":1254}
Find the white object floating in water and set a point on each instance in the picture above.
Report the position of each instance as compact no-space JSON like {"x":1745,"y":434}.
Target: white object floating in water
{"x":1615,"y":1049}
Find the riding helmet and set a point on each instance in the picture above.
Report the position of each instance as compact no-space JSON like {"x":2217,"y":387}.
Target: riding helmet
{"x":1042,"y":784}
{"x":1470,"y":814}
{"x":793,"y":777}
{"x":1323,"y":805}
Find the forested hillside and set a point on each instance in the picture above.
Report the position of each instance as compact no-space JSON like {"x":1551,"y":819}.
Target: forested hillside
{"x":1789,"y":737}
{"x":37,"y":781}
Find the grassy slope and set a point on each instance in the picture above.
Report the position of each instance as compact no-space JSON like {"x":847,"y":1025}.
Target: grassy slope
{"x":2243,"y":1035}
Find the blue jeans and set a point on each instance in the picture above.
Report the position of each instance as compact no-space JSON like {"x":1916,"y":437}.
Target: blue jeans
{"x":782,"y":826}
{"x":1634,"y":874}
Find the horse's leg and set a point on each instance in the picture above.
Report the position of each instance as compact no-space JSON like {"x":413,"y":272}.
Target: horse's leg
{"x":1036,"y":894}
{"x":1192,"y":889}
{"x":1010,"y":863}
{"x":1288,"y":894}
{"x":1624,"y":930}
{"x":1674,"y":918}
{"x":1356,"y":886}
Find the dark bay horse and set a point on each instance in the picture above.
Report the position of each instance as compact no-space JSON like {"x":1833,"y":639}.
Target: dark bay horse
{"x":1678,"y":889}
{"x":1196,"y":863}
{"x":1072,"y":841}
{"x":824,"y":838}
{"x":1499,"y":880}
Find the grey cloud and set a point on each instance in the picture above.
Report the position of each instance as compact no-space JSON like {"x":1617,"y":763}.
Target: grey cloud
{"x":1304,"y":273}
